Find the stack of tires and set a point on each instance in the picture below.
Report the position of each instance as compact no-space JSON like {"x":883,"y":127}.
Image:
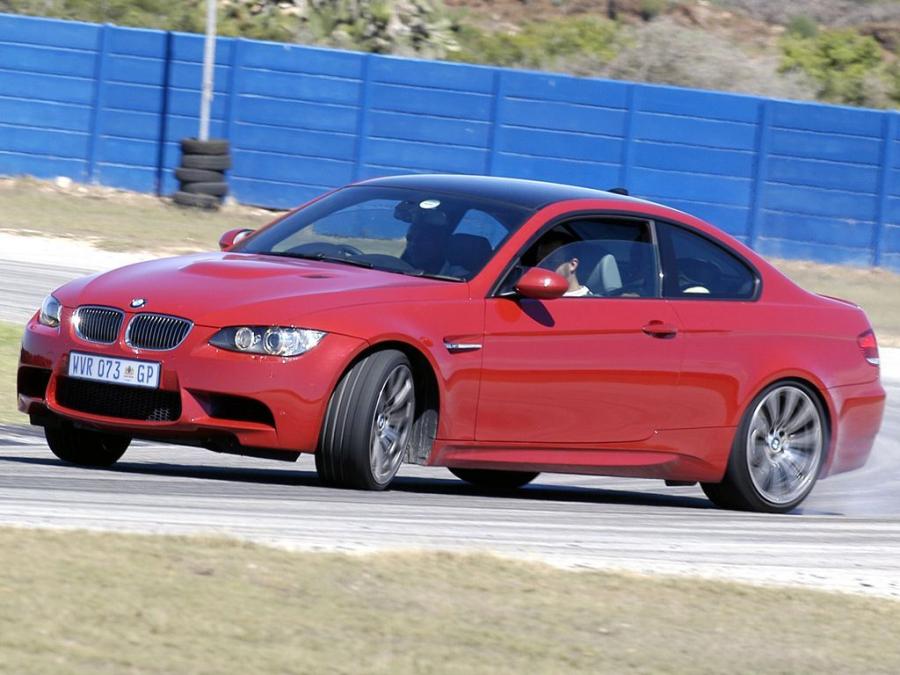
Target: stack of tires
{"x":202,"y":173}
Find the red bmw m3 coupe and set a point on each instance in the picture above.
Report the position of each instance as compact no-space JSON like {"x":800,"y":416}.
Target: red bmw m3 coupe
{"x":497,"y":327}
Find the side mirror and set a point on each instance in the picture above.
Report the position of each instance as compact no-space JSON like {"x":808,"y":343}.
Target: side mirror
{"x":230,"y":238}
{"x":541,"y":284}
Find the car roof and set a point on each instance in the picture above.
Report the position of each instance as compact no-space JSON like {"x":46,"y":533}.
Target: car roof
{"x":530,"y":194}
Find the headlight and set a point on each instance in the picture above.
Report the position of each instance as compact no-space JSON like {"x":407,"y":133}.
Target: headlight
{"x":50,"y":310}
{"x":271,"y":340}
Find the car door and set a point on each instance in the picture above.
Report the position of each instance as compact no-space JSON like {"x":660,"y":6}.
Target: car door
{"x":595,"y":368}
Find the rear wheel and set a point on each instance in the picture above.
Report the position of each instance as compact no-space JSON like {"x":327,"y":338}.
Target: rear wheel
{"x":85,"y":448}
{"x":368,"y":423}
{"x":777,"y":454}
{"x":495,"y":480}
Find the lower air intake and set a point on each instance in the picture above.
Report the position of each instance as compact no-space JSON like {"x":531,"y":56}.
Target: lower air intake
{"x":116,"y":400}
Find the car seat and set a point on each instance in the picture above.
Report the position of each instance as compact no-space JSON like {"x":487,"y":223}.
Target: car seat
{"x":605,"y":278}
{"x":466,"y":254}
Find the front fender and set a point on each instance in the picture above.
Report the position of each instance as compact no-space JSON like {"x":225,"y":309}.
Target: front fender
{"x":425,"y":326}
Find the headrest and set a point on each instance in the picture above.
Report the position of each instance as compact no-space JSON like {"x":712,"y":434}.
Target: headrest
{"x":605,"y":278}
{"x":468,"y":251}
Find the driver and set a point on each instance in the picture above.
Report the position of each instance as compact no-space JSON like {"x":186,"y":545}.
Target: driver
{"x":556,"y":252}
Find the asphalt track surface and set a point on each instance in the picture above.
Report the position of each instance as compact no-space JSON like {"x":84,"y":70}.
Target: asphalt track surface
{"x":846,"y":537}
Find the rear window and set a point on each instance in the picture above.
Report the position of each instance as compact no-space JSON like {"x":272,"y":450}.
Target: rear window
{"x":697,"y":268}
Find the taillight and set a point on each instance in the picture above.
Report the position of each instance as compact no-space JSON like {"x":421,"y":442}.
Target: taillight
{"x":869,"y":346}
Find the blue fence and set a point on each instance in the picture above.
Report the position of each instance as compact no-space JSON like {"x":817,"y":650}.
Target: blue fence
{"x":109,"y":104}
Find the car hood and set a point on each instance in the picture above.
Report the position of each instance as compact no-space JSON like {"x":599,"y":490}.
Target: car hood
{"x":220,"y":289}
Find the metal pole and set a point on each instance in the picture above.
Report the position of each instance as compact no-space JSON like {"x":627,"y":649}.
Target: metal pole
{"x":209,"y":62}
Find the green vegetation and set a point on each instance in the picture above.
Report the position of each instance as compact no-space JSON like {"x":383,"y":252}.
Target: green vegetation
{"x":551,"y":45}
{"x":101,"y":603}
{"x":414,"y":27}
{"x":802,"y":27}
{"x":847,"y":67}
{"x":10,"y":338}
{"x":650,"y":9}
{"x":163,"y":14}
{"x":809,"y":49}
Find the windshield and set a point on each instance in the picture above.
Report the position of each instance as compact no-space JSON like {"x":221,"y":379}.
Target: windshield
{"x":394,"y":229}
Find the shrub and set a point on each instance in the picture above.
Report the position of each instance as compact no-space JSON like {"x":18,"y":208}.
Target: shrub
{"x":650,"y":9}
{"x":846,"y":66}
{"x":580,"y":45}
{"x":409,"y":27}
{"x":802,"y":26}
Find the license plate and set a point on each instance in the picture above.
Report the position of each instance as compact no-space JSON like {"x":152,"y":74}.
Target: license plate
{"x":118,"y":371}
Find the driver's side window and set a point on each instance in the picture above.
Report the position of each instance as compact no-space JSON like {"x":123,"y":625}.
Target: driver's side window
{"x":597,"y":257}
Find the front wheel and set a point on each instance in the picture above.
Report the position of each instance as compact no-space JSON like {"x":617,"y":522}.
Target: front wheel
{"x":777,"y":454}
{"x":368,"y":423}
{"x":495,"y":480}
{"x":85,"y":448}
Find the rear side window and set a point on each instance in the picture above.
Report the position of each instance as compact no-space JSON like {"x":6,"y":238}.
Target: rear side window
{"x":698,"y":268}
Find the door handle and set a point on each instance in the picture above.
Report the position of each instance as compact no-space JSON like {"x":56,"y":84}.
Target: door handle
{"x":660,"y":329}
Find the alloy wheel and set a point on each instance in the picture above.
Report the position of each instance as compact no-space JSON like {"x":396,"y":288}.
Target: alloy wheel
{"x":785,"y":444}
{"x":391,"y":423}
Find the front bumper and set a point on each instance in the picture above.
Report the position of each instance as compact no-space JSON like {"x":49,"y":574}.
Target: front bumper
{"x":227,"y":400}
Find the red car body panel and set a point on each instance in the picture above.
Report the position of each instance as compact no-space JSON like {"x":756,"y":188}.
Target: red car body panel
{"x":571,"y":371}
{"x":560,"y":385}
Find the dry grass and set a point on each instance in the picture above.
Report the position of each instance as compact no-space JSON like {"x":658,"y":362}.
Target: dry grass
{"x":116,"y":220}
{"x":94,"y":603}
{"x":10,"y":337}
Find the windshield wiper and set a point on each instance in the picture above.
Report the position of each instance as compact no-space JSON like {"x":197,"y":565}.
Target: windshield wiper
{"x":321,"y":256}
{"x":360,"y":263}
{"x":420,"y":273}
{"x":344,"y":261}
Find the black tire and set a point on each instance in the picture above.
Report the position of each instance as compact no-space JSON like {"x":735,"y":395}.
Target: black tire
{"x":214,"y":189}
{"x":492,"y":479}
{"x":343,"y":458}
{"x":199,"y":176}
{"x":737,"y":491}
{"x":211,"y":162}
{"x":216,"y":146}
{"x":195,"y":199}
{"x":85,"y":448}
